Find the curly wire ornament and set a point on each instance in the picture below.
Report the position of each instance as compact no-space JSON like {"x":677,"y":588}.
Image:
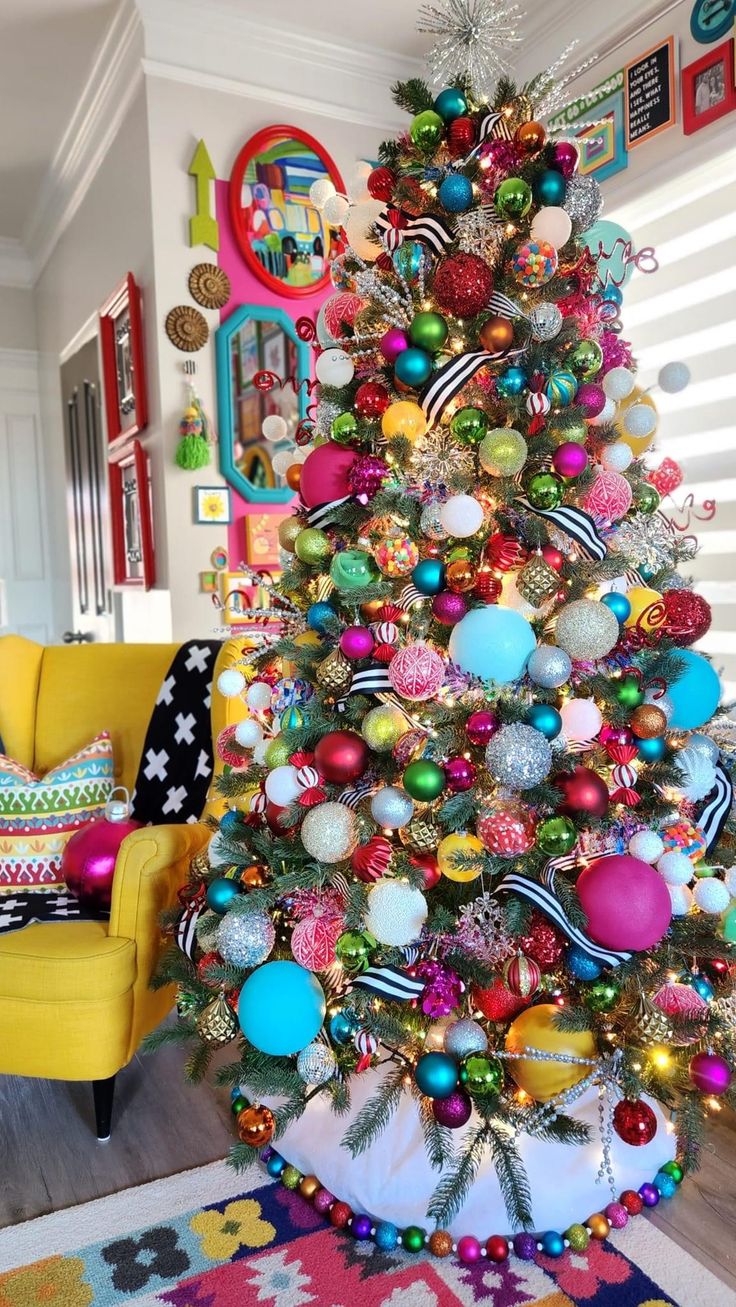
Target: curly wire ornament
{"x":475,"y":38}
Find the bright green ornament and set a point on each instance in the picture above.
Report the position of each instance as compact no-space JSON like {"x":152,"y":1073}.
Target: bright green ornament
{"x":601,"y":995}
{"x":354,"y":948}
{"x":277,"y":753}
{"x":629,"y":692}
{"x":382,"y":727}
{"x":352,"y":569}
{"x":481,"y":1075}
{"x":412,"y":1239}
{"x":344,"y":428}
{"x":585,"y":359}
{"x":292,"y":719}
{"x":426,"y":131}
{"x":675,"y":1170}
{"x":728,"y":925}
{"x":238,"y":1104}
{"x":290,"y":1176}
{"x":469,"y":425}
{"x":513,"y":198}
{"x":545,"y":490}
{"x":423,"y":780}
{"x":503,"y":452}
{"x":312,"y":546}
{"x":646,"y":498}
{"x":428,"y":331}
{"x":578,"y":1238}
{"x":556,"y":835}
{"x":576,"y":432}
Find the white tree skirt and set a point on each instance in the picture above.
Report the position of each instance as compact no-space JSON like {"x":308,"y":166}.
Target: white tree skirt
{"x":393,"y":1181}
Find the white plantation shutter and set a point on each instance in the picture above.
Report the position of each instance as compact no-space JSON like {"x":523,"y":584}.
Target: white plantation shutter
{"x":687,"y":311}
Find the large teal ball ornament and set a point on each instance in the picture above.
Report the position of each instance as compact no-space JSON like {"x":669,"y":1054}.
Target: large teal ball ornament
{"x":413,"y":367}
{"x":450,"y":103}
{"x":221,"y":892}
{"x":436,"y":1075}
{"x":492,"y":643}
{"x":319,"y":616}
{"x":561,"y":388}
{"x":511,"y":382}
{"x":456,"y":193}
{"x":469,"y":425}
{"x":610,"y":244}
{"x":281,"y":1008}
{"x":652,"y":750}
{"x":429,"y":576}
{"x":351,"y":569}
{"x":513,"y":198}
{"x":545,"y":491}
{"x":409,"y":259}
{"x":427,"y":130}
{"x":428,"y":331}
{"x":550,"y":187}
{"x":424,"y":780}
{"x":618,"y":604}
{"x":695,"y":695}
{"x":546,"y":719}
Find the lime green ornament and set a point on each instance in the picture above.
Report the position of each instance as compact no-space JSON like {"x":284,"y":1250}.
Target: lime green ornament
{"x":344,"y":428}
{"x":423,"y":780}
{"x":382,"y":727}
{"x":313,"y":546}
{"x":513,"y":198}
{"x":426,"y":131}
{"x":576,"y":432}
{"x":503,"y":452}
{"x":601,"y":995}
{"x":545,"y":491}
{"x":290,"y":1176}
{"x":428,"y":331}
{"x":277,"y":753}
{"x":585,"y":359}
{"x":481,"y":1075}
{"x":352,"y":569}
{"x":646,"y":498}
{"x":354,"y":948}
{"x":556,"y":835}
{"x":578,"y":1238}
{"x":469,"y":425}
{"x":629,"y":692}
{"x":728,"y":925}
{"x":675,"y":1170}
{"x":704,"y":872}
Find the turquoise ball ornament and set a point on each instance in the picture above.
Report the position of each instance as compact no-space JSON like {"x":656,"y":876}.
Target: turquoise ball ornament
{"x":281,"y":1008}
{"x":409,"y":259}
{"x":387,"y":1236}
{"x":695,"y":695}
{"x":429,"y":576}
{"x":618,"y":605}
{"x":276,"y":1165}
{"x":413,"y":367}
{"x":221,"y":892}
{"x":492,"y":643}
{"x":351,"y":569}
{"x":436,"y":1075}
{"x":550,"y":187}
{"x":581,"y":965}
{"x":456,"y":193}
{"x":450,"y":103}
{"x":561,"y":388}
{"x":342,"y":1027}
{"x":511,"y":382}
{"x":553,"y":1244}
{"x":546,"y":719}
{"x":613,"y":294}
{"x":666,"y":1184}
{"x":428,"y":331}
{"x":319,"y":616}
{"x":652,"y":750}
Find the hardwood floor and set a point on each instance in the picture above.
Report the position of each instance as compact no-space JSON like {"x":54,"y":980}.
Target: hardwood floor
{"x":51,"y":1158}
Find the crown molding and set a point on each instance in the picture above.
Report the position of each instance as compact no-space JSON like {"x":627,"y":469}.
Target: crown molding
{"x":16,"y":268}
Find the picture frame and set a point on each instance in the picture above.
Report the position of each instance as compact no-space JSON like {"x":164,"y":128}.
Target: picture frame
{"x":651,"y":93}
{"x":212,"y":505}
{"x":262,"y":548}
{"x":208,"y":582}
{"x":708,"y":90}
{"x":133,"y":556}
{"x":597,"y":121}
{"x":123,"y":363}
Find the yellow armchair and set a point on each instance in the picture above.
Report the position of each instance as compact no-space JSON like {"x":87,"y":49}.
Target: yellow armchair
{"x":75,"y":1001}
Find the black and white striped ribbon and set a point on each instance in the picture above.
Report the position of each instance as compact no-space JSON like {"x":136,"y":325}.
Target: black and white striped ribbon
{"x":353,"y":797}
{"x":389,"y":982}
{"x":576,"y":523}
{"x":445,"y":383}
{"x":321,"y":513}
{"x":716,"y":809}
{"x":410,"y":597}
{"x":186,"y":928}
{"x":493,"y":126}
{"x":503,"y":306}
{"x":428,"y":228}
{"x":371,"y":680}
{"x":544,"y":897}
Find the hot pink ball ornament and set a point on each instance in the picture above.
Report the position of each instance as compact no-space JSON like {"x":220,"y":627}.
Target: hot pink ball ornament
{"x":460,"y":773}
{"x":325,"y":474}
{"x":448,"y":607}
{"x":569,"y":459}
{"x":88,"y":860}
{"x":564,"y":158}
{"x":615,"y":735}
{"x":626,"y":902}
{"x":609,"y":497}
{"x":481,"y":726}
{"x":356,"y":642}
{"x":710,"y":1073}
{"x":393,"y":342}
{"x":591,"y":398}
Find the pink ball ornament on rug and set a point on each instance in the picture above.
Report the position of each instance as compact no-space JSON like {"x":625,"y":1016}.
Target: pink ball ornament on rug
{"x":626,"y":902}
{"x":609,"y":496}
{"x":88,"y":860}
{"x":325,"y":474}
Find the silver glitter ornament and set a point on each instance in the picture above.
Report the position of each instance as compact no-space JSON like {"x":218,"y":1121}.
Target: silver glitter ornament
{"x":518,"y":756}
{"x":245,"y":939}
{"x":479,"y":232}
{"x":327,"y":411}
{"x":546,"y":320}
{"x":549,"y":667}
{"x":392,"y":807}
{"x":329,"y":832}
{"x":475,"y":38}
{"x":316,"y":1064}
{"x":583,"y":201}
{"x":648,"y":542}
{"x":465,"y":1037}
{"x":587,"y":630}
{"x":430,"y":522}
{"x":438,"y":460}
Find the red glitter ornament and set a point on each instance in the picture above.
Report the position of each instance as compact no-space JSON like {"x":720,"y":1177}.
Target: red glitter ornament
{"x":460,"y":136}
{"x":370,"y":860}
{"x":463,"y":284}
{"x":634,"y":1122}
{"x":381,"y":184}
{"x":667,"y":477}
{"x":543,"y":943}
{"x":497,"y":1003}
{"x":504,"y":552}
{"x":371,"y":400}
{"x":631,"y":1201}
{"x":340,"y":1214}
{"x":687,"y":615}
{"x":506,"y":828}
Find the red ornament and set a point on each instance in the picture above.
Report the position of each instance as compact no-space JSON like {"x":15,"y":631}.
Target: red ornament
{"x":463,"y":284}
{"x":634,"y":1122}
{"x":583,"y":790}
{"x":341,"y":756}
{"x":552,"y":557}
{"x":481,"y":725}
{"x":313,"y":940}
{"x":371,"y":400}
{"x":370,"y":860}
{"x":207,"y":960}
{"x":428,"y":864}
{"x":381,"y":184}
{"x":277,"y":820}
{"x":504,"y":552}
{"x":543,"y":943}
{"x":631,"y":1201}
{"x":506,"y":828}
{"x":417,"y":672}
{"x":460,"y":136}
{"x":522,"y":976}
{"x":383,"y":653}
{"x":687,"y":615}
{"x":340,"y":1214}
{"x":667,"y":477}
{"x":487,"y":587}
{"x":497,"y":1003}
{"x":497,"y":1248}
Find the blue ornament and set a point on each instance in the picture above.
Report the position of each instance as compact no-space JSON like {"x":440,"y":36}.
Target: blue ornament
{"x":386,"y":1237}
{"x":550,"y":187}
{"x":229,"y":820}
{"x":221,"y":892}
{"x":436,"y":1075}
{"x":342,"y":1027}
{"x":646,"y":572}
{"x":543,"y":717}
{"x":613,"y":294}
{"x":429,"y":576}
{"x":553,"y":1244}
{"x":695,"y":694}
{"x":652,"y":750}
{"x":450,"y":103}
{"x":456,"y":193}
{"x":701,"y":985}
{"x":581,"y":964}
{"x":409,"y":259}
{"x":618,"y":604}
{"x":561,"y":388}
{"x":492,"y":643}
{"x":319,"y":616}
{"x":511,"y":382}
{"x":276,"y":1165}
{"x":666,"y":1184}
{"x":281,"y":1008}
{"x":413,"y":366}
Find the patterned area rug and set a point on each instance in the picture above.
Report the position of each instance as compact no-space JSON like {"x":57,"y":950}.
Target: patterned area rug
{"x":205,"y":1239}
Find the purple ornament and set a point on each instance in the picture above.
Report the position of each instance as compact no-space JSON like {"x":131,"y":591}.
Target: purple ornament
{"x":525,"y":1246}
{"x":710,"y":1073}
{"x":649,"y":1194}
{"x":453,"y":1111}
{"x":366,"y":476}
{"x":460,"y":774}
{"x":617,"y":1215}
{"x":356,"y":642}
{"x":267,"y":1153}
{"x":393,"y":343}
{"x":591,"y":398}
{"x":569,"y":459}
{"x":449,"y":607}
{"x":481,"y":725}
{"x":564,"y":158}
{"x":361,"y":1227}
{"x":468,"y":1249}
{"x":323,"y":1201}
{"x":444,"y":988}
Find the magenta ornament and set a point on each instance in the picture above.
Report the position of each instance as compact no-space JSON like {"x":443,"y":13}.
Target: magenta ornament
{"x":569,"y":459}
{"x":468,"y":1249}
{"x":325,"y":474}
{"x":564,"y":158}
{"x":481,"y":725}
{"x":614,"y":735}
{"x":617,"y":1215}
{"x":591,"y":398}
{"x":393,"y":342}
{"x":356,"y":642}
{"x":460,"y":773}
{"x":448,"y":607}
{"x":710,"y":1073}
{"x":366,"y":476}
{"x":323,"y":1201}
{"x":88,"y":860}
{"x":453,"y":1111}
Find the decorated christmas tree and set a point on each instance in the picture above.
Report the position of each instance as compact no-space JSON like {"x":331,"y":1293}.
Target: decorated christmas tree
{"x":471,"y":893}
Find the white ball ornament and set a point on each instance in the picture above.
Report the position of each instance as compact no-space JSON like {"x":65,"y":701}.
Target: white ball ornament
{"x":617,"y":457}
{"x":396,"y":913}
{"x":640,"y":420}
{"x":282,"y":461}
{"x":581,"y":719}
{"x":321,"y":191}
{"x":646,"y":845}
{"x":274,"y":427}
{"x":673,"y":377}
{"x":281,"y":785}
{"x":335,"y":210}
{"x":461,"y":516}
{"x":259,"y":752}
{"x":586,"y":630}
{"x":258,"y":696}
{"x":392,"y":807}
{"x":248,"y":733}
{"x":231,"y":683}
{"x":358,"y":223}
{"x":552,"y":224}
{"x":618,"y":384}
{"x":329,"y":832}
{"x":681,"y":898}
{"x":675,"y":867}
{"x":358,"y":181}
{"x":711,"y":895}
{"x":216,"y":853}
{"x":606,"y":414}
{"x":334,"y":367}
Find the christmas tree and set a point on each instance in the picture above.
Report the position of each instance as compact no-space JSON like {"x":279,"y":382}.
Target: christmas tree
{"x":478,"y":849}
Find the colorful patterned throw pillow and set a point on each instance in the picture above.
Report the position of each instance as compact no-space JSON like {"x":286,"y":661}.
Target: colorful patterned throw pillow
{"x":39,"y":813}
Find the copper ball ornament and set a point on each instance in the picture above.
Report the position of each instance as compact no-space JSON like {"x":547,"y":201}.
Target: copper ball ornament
{"x":496,"y":334}
{"x":308,"y":1186}
{"x":530,"y":137}
{"x":648,"y":721}
{"x":294,"y":476}
{"x":256,"y":1125}
{"x":255,"y":876}
{"x":460,"y":575}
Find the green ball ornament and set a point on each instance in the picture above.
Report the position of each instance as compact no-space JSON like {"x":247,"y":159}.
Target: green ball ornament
{"x":545,"y":490}
{"x":352,"y":569}
{"x":513,"y":198}
{"x":344,"y":428}
{"x":469,"y":425}
{"x":675,"y":1170}
{"x":412,"y":1239}
{"x":577,"y":432}
{"x":313,"y":546}
{"x":238,"y":1104}
{"x":481,"y":1075}
{"x":578,"y":1238}
{"x":585,"y":359}
{"x":428,"y":331}
{"x":354,"y":948}
{"x":436,"y":1075}
{"x":423,"y":780}
{"x":556,"y":835}
{"x":426,"y":131}
{"x":451,"y":103}
{"x":503,"y":452}
{"x":290,"y":1177}
{"x":221,"y":892}
{"x":277,"y":753}
{"x":601,"y":996}
{"x":646,"y":498}
{"x":728,"y":925}
{"x":629,"y":692}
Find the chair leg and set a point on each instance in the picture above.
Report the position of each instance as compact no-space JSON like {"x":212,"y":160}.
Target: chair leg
{"x":103,"y":1091}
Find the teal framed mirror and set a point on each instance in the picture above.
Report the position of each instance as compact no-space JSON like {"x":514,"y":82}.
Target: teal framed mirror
{"x":258,"y":339}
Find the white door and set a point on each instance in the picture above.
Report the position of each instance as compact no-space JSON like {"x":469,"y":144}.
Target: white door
{"x":25,"y":581}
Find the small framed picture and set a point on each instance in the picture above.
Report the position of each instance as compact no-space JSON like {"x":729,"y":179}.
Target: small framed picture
{"x":131,"y":518}
{"x":708,"y":88}
{"x":212,"y":505}
{"x":123,"y":368}
{"x":208,"y":582}
{"x":262,"y":547}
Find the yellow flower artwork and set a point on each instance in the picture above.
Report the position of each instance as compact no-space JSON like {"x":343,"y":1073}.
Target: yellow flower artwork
{"x":221,"y":1234}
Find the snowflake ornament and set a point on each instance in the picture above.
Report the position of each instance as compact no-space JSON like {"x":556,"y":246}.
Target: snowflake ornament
{"x":473,"y":37}
{"x":482,"y":931}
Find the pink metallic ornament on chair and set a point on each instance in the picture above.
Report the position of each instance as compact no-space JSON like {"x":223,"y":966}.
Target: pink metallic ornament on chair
{"x":88,"y":860}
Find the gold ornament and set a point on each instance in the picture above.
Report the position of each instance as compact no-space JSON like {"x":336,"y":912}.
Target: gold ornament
{"x":288,"y":530}
{"x":209,"y":286}
{"x":199,"y":867}
{"x":308,"y":1186}
{"x":216,"y":1022}
{"x":537,"y":581}
{"x":536,"y":1029}
{"x":652,"y":1025}
{"x":334,"y":673}
{"x":187,"y":328}
{"x":420,"y":835}
{"x":648,"y":721}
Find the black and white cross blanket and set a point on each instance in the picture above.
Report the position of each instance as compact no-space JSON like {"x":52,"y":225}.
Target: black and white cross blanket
{"x":26,"y":907}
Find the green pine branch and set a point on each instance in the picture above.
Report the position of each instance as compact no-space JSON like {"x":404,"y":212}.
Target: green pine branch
{"x":455,"y":1185}
{"x":414,"y":96}
{"x":374,"y":1116}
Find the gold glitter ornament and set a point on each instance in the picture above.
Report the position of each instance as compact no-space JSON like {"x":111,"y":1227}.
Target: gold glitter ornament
{"x":537,"y":581}
{"x":420,"y":835}
{"x":216,"y":1023}
{"x":651,"y":1024}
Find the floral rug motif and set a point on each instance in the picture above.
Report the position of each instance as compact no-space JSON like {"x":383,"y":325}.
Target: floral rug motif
{"x":267,"y":1247}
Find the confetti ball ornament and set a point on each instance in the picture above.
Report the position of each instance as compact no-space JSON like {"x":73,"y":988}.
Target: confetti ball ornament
{"x":507,"y":829}
{"x":463,"y":1038}
{"x":549,"y":667}
{"x":695,"y":694}
{"x":426,"y":131}
{"x":396,"y":555}
{"x":428,"y":331}
{"x":456,"y":193}
{"x":569,"y":459}
{"x":583,"y":791}
{"x":417,"y":672}
{"x":453,"y":1112}
{"x":534,"y":263}
{"x":281,"y":1008}
{"x":329,"y":832}
{"x":316,"y":1064}
{"x":436,"y":1075}
{"x":709,"y":1073}
{"x":392,"y":807}
{"x":537,"y":1029}
{"x":245,"y":939}
{"x":586,"y":630}
{"x":454,"y":848}
{"x":609,"y":497}
{"x":481,"y":726}
{"x":503,"y":452}
{"x":518,"y":756}
{"x":461,"y":516}
{"x":513,"y":198}
{"x":396,"y":913}
{"x":492,"y":643}
{"x":608,"y":886}
{"x":352,"y":569}
{"x":556,"y":836}
{"x":462,"y":284}
{"x":404,"y":418}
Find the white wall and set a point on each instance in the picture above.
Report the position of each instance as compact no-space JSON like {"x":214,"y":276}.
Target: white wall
{"x":17,"y":320}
